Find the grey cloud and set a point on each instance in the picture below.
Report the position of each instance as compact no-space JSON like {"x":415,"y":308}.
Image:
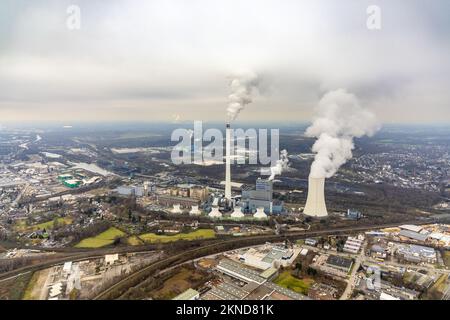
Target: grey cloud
{"x":181,"y":53}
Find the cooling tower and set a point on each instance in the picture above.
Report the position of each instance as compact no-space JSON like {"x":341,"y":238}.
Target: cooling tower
{"x":315,"y":202}
{"x":228,"y":163}
{"x":176,"y":208}
{"x":194,"y":211}
{"x":260,"y":214}
{"x":237,"y":213}
{"x":215,"y":213}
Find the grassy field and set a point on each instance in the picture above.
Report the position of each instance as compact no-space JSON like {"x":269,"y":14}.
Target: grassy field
{"x":21,"y":225}
{"x":103,"y":239}
{"x":134,"y":241}
{"x":29,"y":294}
{"x":286,"y":280}
{"x":197,"y":234}
{"x":49,"y":224}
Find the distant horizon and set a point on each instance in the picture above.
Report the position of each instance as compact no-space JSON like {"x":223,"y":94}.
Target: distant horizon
{"x":128,"y":124}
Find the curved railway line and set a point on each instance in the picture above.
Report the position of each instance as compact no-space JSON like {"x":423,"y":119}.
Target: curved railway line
{"x":133,"y":280}
{"x":205,"y":248}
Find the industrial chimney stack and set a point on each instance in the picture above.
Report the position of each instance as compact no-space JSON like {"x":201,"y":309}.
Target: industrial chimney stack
{"x":315,"y":202}
{"x":228,"y":163}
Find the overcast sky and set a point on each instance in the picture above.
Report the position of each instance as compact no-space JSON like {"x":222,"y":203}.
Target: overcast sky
{"x":154,"y":60}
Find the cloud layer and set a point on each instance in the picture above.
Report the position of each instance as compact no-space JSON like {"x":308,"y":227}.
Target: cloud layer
{"x":138,"y":60}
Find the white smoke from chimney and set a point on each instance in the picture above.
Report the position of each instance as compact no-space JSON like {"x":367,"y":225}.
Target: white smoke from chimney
{"x":241,"y":93}
{"x":280,"y":166}
{"x":339,"y":119}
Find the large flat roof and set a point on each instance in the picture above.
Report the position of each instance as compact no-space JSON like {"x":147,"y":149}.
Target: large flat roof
{"x":240,"y":271}
{"x":339,"y":261}
{"x":413,"y":235}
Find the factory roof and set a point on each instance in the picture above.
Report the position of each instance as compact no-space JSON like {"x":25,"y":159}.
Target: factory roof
{"x":377,"y":248}
{"x":411,"y":227}
{"x":287,"y":292}
{"x":239,"y":271}
{"x":275,"y":254}
{"x":413,"y":235}
{"x":222,"y":294}
{"x":417,"y":250}
{"x":340,"y":262}
{"x":266,"y":274}
{"x":233,"y":290}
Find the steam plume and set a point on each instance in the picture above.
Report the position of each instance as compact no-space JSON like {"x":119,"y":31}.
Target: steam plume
{"x":280,"y":166}
{"x":241,"y":93}
{"x":339,"y":119}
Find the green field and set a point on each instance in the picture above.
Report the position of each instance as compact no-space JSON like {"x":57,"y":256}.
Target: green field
{"x":103,"y":239}
{"x":21,"y":225}
{"x":134,"y":241}
{"x":49,"y":224}
{"x":288,"y":281}
{"x":197,"y":234}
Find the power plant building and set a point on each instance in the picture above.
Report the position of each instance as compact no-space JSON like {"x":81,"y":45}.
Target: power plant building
{"x":261,"y":197}
{"x":237,"y":213}
{"x":215,"y":213}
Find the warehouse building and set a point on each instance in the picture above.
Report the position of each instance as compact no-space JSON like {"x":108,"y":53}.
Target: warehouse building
{"x":353,"y":245}
{"x":340,"y":263}
{"x":416,"y":254}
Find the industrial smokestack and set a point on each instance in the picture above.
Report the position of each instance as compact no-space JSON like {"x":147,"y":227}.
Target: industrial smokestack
{"x":315,"y":202}
{"x":228,"y":163}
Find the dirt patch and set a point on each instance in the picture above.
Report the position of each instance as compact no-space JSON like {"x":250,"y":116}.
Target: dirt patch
{"x":36,"y":289}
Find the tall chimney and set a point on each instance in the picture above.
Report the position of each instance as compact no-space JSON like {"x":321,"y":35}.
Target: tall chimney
{"x":315,"y":202}
{"x":228,"y":163}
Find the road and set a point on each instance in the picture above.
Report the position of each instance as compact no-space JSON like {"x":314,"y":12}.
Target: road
{"x":351,"y":281}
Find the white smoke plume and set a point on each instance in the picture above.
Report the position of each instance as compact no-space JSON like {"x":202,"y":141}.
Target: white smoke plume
{"x":241,"y":93}
{"x":339,"y":119}
{"x":280,"y":166}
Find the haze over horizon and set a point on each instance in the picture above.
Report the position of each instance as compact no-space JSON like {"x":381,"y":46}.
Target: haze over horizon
{"x":160,"y":61}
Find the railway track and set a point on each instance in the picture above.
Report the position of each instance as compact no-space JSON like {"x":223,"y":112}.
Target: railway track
{"x":225,"y":245}
{"x":121,"y":287}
